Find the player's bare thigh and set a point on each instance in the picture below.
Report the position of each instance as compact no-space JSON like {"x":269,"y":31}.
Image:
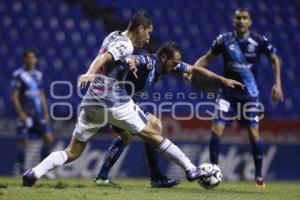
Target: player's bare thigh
{"x":253,"y":133}
{"x":152,"y":132}
{"x":153,"y":122}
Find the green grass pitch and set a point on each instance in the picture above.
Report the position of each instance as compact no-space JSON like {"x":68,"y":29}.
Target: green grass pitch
{"x":138,"y":189}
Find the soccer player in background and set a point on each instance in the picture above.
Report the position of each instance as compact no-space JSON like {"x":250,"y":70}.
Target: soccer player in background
{"x":31,"y":106}
{"x":107,"y":101}
{"x":150,"y":69}
{"x":240,"y":50}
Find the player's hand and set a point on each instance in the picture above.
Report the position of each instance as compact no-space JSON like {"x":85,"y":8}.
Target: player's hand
{"x":132,"y":66}
{"x":187,"y":77}
{"x":276,"y":93}
{"x":85,"y":79}
{"x":232,"y":83}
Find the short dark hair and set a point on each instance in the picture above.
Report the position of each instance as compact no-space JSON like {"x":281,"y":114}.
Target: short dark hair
{"x":30,"y":50}
{"x":169,"y":48}
{"x":243,"y":10}
{"x":141,"y":18}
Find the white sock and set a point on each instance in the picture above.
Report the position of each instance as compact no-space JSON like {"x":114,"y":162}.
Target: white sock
{"x":55,"y":159}
{"x":173,"y":153}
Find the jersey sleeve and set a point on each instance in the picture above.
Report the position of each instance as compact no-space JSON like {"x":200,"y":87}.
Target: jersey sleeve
{"x":181,"y":67}
{"x":217,"y":46}
{"x":120,"y":50}
{"x":142,"y":59}
{"x":266,"y":47}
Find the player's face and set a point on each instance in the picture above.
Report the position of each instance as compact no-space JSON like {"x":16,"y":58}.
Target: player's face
{"x":144,"y":35}
{"x":169,"y":65}
{"x":242,"y":21}
{"x":30,"y":60}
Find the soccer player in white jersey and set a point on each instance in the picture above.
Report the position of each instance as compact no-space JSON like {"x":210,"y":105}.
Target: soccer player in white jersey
{"x":106,"y":101}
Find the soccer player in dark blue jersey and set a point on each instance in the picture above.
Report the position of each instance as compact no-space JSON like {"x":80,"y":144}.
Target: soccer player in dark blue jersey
{"x":151,"y":68}
{"x":241,"y":50}
{"x":31,"y":106}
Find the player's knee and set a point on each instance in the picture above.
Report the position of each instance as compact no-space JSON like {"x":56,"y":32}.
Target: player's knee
{"x":217,"y":130}
{"x":253,"y":134}
{"x":156,"y":124}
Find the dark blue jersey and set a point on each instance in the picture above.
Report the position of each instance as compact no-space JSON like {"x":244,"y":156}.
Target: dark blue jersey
{"x":148,"y":73}
{"x":29,"y":84}
{"x":241,"y":57}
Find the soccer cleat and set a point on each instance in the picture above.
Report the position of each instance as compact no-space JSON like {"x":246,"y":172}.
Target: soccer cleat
{"x":259,"y":182}
{"x":197,"y":173}
{"x":164,"y":183}
{"x":104,"y":182}
{"x":29,"y":178}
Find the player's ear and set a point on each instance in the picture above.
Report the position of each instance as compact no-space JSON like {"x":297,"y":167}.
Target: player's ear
{"x":140,"y":28}
{"x":163,"y":57}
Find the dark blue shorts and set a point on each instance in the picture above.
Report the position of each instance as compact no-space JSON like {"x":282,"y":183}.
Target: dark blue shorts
{"x":247,"y":111}
{"x":39,"y":127}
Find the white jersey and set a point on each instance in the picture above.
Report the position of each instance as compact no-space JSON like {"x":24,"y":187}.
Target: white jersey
{"x":108,"y":89}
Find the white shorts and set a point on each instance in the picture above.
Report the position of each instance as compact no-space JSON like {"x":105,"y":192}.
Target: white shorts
{"x":127,"y":116}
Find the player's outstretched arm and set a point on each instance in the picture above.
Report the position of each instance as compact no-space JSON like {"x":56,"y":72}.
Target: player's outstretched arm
{"x":98,"y":62}
{"x":276,"y":92}
{"x":204,"y":60}
{"x":209,"y":74}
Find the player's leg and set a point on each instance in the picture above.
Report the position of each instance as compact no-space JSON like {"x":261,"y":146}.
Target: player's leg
{"x":115,"y":150}
{"x":87,"y":125}
{"x":214,"y":142}
{"x":224,"y":115}
{"x":257,"y":153}
{"x":47,"y":137}
{"x":169,"y":150}
{"x":113,"y":153}
{"x":21,"y":151}
{"x":250,"y":120}
{"x":22,"y":132}
{"x":47,"y":143}
{"x":136,"y":122}
{"x":158,"y":179}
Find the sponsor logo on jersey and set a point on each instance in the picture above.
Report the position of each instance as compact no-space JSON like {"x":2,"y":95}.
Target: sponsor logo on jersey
{"x":239,"y":66}
{"x":251,"y":47}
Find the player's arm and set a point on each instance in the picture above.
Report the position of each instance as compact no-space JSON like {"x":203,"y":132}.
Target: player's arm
{"x":17,"y":104}
{"x":204,"y":60}
{"x":191,"y":69}
{"x":269,"y":50}
{"x":276,"y":89}
{"x":98,"y":62}
{"x":44,"y":104}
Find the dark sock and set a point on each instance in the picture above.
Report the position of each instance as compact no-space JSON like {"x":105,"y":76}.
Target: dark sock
{"x":45,"y":151}
{"x":21,"y":158}
{"x":214,"y":148}
{"x":153,"y":156}
{"x":113,"y":153}
{"x":257,"y":152}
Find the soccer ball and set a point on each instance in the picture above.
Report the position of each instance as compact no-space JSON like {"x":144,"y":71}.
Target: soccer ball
{"x":214,"y":180}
